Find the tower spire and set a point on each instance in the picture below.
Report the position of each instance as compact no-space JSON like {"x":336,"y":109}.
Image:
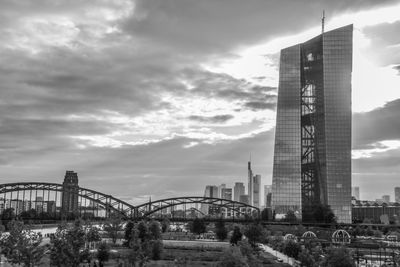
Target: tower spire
{"x":323,"y":20}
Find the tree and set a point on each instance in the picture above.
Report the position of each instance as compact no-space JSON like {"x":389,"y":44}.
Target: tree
{"x":165,"y":224}
{"x":7,"y":216}
{"x":103,"y":253}
{"x":306,"y":259}
{"x":154,"y":230}
{"x":143,"y":230}
{"x":92,"y":235}
{"x":67,"y":245}
{"x":254,"y":233}
{"x":128,"y":232}
{"x":266,"y":214}
{"x":323,"y":213}
{"x":236,"y":235}
{"x":290,"y":216}
{"x":22,"y":246}
{"x":199,"y":226}
{"x":338,"y":257}
{"x":113,"y":226}
{"x":292,"y":249}
{"x":221,"y":231}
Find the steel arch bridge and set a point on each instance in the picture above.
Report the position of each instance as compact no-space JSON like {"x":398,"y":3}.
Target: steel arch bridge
{"x":34,"y":194}
{"x":42,"y":196}
{"x":215,"y":207}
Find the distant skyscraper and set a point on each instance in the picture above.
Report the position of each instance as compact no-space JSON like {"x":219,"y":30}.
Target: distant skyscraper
{"x":355,"y":192}
{"x":397,"y":194}
{"x":238,"y":191}
{"x":386,"y":198}
{"x":69,"y":202}
{"x":210,"y":191}
{"x":244,"y":199}
{"x":267,"y":195}
{"x":250,"y":182}
{"x":312,"y":156}
{"x":256,"y":190}
{"x":226,"y":193}
{"x":222,"y":186}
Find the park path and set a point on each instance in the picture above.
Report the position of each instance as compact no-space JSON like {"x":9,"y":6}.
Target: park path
{"x":285,"y":258}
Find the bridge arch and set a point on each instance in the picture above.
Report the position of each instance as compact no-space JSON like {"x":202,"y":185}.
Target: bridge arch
{"x":110,"y":203}
{"x":233,"y":209}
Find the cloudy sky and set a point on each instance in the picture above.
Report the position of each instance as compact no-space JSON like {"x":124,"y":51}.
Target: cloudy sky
{"x":161,"y":97}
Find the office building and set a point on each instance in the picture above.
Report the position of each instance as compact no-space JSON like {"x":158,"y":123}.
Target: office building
{"x":238,"y":190}
{"x":355,"y":192}
{"x":210,"y":191}
{"x":267,"y":195}
{"x":397,"y":194}
{"x":250,"y":182}
{"x":312,"y":154}
{"x":222,"y":186}
{"x":69,"y":199}
{"x":256,"y":184}
{"x":244,"y":199}
{"x":226,"y":193}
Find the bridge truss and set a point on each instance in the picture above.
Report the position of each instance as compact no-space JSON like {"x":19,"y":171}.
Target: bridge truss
{"x":46,"y":201}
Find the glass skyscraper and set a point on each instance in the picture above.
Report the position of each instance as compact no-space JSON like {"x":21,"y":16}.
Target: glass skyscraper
{"x":312,"y":155}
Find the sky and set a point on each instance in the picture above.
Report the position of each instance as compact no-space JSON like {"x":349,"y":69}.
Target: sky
{"x":162,"y":97}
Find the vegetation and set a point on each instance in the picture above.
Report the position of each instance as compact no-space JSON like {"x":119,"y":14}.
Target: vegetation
{"x":103,"y":253}
{"x":290,"y":217}
{"x":338,"y":257}
{"x":220,"y":231}
{"x":198,"y":226}
{"x":113,"y":227}
{"x":254,"y":233}
{"x":67,"y":245}
{"x":236,"y":235}
{"x":22,"y":245}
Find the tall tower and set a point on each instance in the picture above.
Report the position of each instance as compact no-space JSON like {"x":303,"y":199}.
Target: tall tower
{"x":69,"y":200}
{"x":238,"y":191}
{"x":312,"y":156}
{"x":256,"y":190}
{"x":250,"y":181}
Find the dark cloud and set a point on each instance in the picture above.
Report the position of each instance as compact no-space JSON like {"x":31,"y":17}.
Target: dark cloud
{"x":214,"y":27}
{"x":397,"y":68}
{"x":377,"y":125}
{"x":260,"y":105}
{"x":213,"y":119}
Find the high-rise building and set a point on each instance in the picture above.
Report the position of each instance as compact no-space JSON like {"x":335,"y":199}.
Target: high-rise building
{"x":267,"y":195}
{"x":355,"y":192}
{"x":244,"y":199}
{"x":222,"y":186}
{"x":256,"y":190}
{"x":210,"y":191}
{"x":238,"y":191}
{"x":226,"y":193}
{"x":69,"y":201}
{"x":312,"y":156}
{"x":397,"y":194}
{"x":250,"y":182}
{"x":386,"y":198}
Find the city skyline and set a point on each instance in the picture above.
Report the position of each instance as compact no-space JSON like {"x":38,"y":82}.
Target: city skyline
{"x":150,"y":98}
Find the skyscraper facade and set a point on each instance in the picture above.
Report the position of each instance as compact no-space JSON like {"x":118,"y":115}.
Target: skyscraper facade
{"x":397,"y":194}
{"x":226,"y":193}
{"x":256,"y":190}
{"x":250,"y":182}
{"x":238,"y":191}
{"x":312,"y":154}
{"x":267,"y":195}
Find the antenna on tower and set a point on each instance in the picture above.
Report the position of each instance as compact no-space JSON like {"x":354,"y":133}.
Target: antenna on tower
{"x":323,"y":20}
